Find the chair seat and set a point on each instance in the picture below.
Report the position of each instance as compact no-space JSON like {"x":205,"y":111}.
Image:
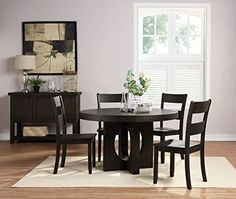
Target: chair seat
{"x":78,"y":138}
{"x":165,"y":130}
{"x":175,"y":144}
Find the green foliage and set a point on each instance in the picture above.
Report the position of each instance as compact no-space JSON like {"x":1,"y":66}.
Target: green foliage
{"x":148,"y":25}
{"x":151,"y":23}
{"x":148,"y":43}
{"x":137,"y":89}
{"x":161,"y":28}
{"x":36,"y":81}
{"x":185,"y":32}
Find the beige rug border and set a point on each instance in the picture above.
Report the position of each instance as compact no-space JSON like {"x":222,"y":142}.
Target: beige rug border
{"x":84,"y":173}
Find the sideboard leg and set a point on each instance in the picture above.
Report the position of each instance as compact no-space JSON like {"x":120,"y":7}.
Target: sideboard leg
{"x":12,"y":133}
{"x":19,"y":129}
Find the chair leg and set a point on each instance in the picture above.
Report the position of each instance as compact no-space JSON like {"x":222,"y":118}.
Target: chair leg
{"x":203,"y":168}
{"x":172,"y":164}
{"x":155,"y":167}
{"x":64,"y":148}
{"x":89,"y":158}
{"x":99,"y":146}
{"x":94,"y":152}
{"x":58,"y":149}
{"x":187,"y":171}
{"x":181,"y":138}
{"x":162,"y":153}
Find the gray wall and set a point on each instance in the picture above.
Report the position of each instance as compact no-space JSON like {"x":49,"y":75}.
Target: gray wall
{"x":105,"y":51}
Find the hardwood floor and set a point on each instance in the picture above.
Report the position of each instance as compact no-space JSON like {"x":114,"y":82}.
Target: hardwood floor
{"x":18,"y":159}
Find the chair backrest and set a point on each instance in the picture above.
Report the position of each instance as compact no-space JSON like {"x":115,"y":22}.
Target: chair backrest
{"x":175,"y":99}
{"x":109,"y":98}
{"x":201,"y":107}
{"x":59,"y":114}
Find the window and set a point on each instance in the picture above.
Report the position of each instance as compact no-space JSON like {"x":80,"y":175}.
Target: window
{"x":171,"y":49}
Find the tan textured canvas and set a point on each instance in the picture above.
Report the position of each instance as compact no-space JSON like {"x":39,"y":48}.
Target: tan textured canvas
{"x":35,"y":131}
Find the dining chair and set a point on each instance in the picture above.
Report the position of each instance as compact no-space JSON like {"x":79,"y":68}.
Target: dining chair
{"x":63,"y":138}
{"x":188,"y":146}
{"x":108,"y":99}
{"x":162,"y":131}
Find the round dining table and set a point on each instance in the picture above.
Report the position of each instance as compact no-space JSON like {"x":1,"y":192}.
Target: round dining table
{"x":139,"y":127}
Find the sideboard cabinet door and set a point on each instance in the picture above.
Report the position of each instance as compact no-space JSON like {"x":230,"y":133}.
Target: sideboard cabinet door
{"x":22,"y":108}
{"x":42,"y":109}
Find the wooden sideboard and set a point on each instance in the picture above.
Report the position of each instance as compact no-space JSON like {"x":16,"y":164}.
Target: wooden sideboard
{"x":34,"y":109}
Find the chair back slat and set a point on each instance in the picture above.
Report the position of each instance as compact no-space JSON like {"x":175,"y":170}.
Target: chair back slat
{"x":175,"y":99}
{"x":197,"y":128}
{"x":200,"y":127}
{"x":200,"y":107}
{"x":59,"y":114}
{"x":109,"y":98}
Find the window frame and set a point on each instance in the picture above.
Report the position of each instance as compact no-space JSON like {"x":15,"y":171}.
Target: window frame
{"x":206,"y":58}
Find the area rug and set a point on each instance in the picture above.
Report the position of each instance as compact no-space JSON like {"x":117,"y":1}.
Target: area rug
{"x":220,"y":174}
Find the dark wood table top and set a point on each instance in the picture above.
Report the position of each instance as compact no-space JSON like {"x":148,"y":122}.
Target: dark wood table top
{"x":115,"y":115}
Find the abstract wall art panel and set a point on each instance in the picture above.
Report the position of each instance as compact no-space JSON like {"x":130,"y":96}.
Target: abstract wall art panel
{"x":53,"y":43}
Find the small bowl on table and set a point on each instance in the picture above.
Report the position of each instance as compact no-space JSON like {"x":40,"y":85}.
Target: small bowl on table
{"x":143,"y":108}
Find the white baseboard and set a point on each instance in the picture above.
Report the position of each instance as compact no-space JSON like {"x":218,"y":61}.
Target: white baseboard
{"x":4,"y":136}
{"x":221,"y":137}
{"x":209,"y":137}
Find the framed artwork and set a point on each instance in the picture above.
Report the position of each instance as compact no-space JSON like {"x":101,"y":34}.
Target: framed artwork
{"x":53,"y":43}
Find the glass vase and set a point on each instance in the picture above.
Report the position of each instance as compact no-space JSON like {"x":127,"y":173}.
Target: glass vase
{"x":52,"y":85}
{"x":124,"y":103}
{"x":135,"y":101}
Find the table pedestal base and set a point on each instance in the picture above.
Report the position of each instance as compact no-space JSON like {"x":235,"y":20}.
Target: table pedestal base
{"x":139,"y":157}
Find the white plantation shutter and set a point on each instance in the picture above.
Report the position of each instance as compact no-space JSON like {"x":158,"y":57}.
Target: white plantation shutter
{"x":181,"y":68}
{"x":184,"y":77}
{"x":158,"y":73}
{"x":189,"y":79}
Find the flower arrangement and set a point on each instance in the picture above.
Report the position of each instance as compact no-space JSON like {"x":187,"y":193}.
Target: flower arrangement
{"x":134,"y":87}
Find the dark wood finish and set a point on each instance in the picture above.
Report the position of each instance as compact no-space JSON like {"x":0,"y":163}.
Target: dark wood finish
{"x":163,"y":131}
{"x":105,"y":98}
{"x":138,"y":158}
{"x":35,"y":109}
{"x":63,"y":138}
{"x":115,"y":115}
{"x":186,"y":147}
{"x":139,"y":125}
